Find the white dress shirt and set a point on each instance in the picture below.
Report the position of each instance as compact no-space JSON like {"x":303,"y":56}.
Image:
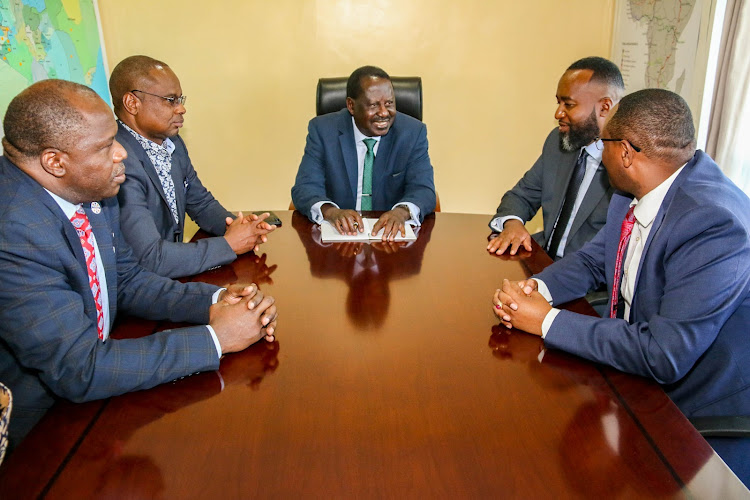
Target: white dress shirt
{"x":361,"y":147}
{"x":594,"y":151}
{"x":645,"y":212}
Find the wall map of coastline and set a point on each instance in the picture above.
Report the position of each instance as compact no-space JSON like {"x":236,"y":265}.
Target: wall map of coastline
{"x":42,"y":39}
{"x":655,"y":43}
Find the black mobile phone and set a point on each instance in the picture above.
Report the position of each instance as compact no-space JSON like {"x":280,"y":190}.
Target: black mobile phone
{"x":272,"y":218}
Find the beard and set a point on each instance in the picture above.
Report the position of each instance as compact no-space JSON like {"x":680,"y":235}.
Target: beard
{"x":580,"y":135}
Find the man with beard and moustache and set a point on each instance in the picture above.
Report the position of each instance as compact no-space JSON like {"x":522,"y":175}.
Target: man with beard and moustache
{"x":366,"y":157}
{"x":568,"y":180}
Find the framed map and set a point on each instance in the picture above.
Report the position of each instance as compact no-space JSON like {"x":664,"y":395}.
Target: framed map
{"x":42,"y":39}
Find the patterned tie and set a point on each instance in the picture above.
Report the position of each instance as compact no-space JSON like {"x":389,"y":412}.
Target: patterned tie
{"x":567,"y":208}
{"x":625,"y":230}
{"x":83,"y":228}
{"x":367,"y":175}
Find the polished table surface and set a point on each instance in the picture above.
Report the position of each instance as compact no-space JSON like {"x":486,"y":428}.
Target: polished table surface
{"x":390,"y":378}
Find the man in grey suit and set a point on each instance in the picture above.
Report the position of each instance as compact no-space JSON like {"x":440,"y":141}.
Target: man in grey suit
{"x":162,"y":184}
{"x":66,"y":271}
{"x":568,"y":181}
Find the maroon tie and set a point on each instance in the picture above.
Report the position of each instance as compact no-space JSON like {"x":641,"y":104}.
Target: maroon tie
{"x":625,"y":230}
{"x":83,"y":228}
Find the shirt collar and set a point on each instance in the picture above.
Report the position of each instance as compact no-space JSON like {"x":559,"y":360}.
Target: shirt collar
{"x":359,"y":136}
{"x":647,"y":207}
{"x":167,"y":144}
{"x":594,"y":150}
{"x":68,"y":208}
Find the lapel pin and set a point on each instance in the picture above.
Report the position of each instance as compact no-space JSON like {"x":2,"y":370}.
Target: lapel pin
{"x":96,"y":208}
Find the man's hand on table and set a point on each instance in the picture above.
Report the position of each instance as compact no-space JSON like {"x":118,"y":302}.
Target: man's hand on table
{"x":520,"y":305}
{"x":513,"y":237}
{"x":346,"y":221}
{"x":242,"y":316}
{"x":247,"y":233}
{"x":393,"y":222}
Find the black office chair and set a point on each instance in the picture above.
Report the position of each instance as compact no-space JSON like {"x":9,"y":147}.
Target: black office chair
{"x":331,"y":95}
{"x":733,"y":426}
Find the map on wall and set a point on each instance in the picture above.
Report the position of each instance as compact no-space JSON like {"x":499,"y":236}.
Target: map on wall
{"x":42,"y":39}
{"x":656,"y":44}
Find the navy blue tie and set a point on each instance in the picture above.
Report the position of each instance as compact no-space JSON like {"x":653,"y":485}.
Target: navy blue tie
{"x":567,"y":208}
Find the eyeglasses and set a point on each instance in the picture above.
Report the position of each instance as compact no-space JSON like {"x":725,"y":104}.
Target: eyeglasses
{"x":636,"y":148}
{"x":174,"y":101}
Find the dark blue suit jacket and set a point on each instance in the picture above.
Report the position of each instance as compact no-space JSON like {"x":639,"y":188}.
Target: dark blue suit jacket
{"x":401,"y":173}
{"x":147,"y":221}
{"x":48,"y":338}
{"x":690,"y":315}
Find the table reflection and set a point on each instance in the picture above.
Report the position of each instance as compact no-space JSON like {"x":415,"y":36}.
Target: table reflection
{"x":367,"y":268}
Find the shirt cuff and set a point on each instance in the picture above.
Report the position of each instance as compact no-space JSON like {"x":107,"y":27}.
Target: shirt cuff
{"x":413,"y":212}
{"x":317,"y":215}
{"x":548,"y":319}
{"x":543,"y":290}
{"x":498,"y":222}
{"x":214,"y":300}
{"x":216,"y":342}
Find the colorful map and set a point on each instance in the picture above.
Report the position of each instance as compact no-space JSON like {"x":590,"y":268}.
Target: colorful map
{"x":655,"y":43}
{"x":42,"y":39}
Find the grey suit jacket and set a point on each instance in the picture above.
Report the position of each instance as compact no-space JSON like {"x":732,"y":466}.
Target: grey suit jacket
{"x":544,"y":185}
{"x":147,"y":222}
{"x":49,"y":346}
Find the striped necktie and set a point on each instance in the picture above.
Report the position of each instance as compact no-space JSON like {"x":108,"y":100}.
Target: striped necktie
{"x":367,"y":175}
{"x":83,"y":229}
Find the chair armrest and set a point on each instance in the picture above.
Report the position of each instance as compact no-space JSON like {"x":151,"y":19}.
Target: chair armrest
{"x":734,"y":426}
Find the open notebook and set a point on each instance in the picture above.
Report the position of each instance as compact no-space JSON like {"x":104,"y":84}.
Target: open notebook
{"x":329,"y":233}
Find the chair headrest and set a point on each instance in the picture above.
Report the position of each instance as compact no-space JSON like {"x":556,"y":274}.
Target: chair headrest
{"x":331,"y":95}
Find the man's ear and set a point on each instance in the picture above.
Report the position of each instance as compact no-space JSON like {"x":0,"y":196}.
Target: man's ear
{"x":605,"y":106}
{"x":54,"y":162}
{"x":130,"y":103}
{"x":626,"y":153}
{"x":350,"y":105}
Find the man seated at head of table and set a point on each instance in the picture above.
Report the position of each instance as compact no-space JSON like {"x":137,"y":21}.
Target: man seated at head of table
{"x":675,"y":256}
{"x":162,"y":185}
{"x":366,"y":157}
{"x":66,"y":271}
{"x":568,"y":181}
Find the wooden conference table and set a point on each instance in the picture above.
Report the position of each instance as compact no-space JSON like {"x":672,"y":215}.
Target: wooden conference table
{"x":390,"y":378}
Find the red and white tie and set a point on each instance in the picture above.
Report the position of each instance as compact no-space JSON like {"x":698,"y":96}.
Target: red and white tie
{"x":625,"y":230}
{"x":83,"y":228}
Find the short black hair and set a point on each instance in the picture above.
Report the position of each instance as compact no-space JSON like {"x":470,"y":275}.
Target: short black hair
{"x":604,"y":71}
{"x":354,"y":84}
{"x":42,"y":116}
{"x":657,"y":121}
{"x":128,"y":75}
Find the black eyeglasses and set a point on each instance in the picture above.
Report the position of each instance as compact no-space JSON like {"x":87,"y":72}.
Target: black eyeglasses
{"x":637,"y":149}
{"x":174,"y":101}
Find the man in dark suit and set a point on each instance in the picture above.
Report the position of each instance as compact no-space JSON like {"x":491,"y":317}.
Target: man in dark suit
{"x":366,"y":157}
{"x":675,"y":256}
{"x":66,"y":271}
{"x":162,"y":185}
{"x":567,"y":181}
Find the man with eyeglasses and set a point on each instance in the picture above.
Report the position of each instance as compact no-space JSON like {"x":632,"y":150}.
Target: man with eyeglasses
{"x":567,"y":181}
{"x":162,"y":185}
{"x":675,"y":257}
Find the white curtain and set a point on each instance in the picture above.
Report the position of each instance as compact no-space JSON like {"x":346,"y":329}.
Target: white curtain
{"x":729,"y":127}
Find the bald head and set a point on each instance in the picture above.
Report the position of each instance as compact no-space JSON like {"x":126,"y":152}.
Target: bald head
{"x":131,"y":73}
{"x":47,"y":115}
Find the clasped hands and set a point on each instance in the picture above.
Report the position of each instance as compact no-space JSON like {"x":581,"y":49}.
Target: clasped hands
{"x":247,"y":233}
{"x":518,"y":304}
{"x":242,"y":316}
{"x":347,"y":221}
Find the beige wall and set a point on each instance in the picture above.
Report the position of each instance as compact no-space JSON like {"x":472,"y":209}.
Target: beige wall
{"x":249,"y":67}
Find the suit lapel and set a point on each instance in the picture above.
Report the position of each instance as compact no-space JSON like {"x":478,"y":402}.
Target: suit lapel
{"x":349,"y":151}
{"x":178,"y":178}
{"x":380,"y":168}
{"x":597,"y":189}
{"x":148,"y":167}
